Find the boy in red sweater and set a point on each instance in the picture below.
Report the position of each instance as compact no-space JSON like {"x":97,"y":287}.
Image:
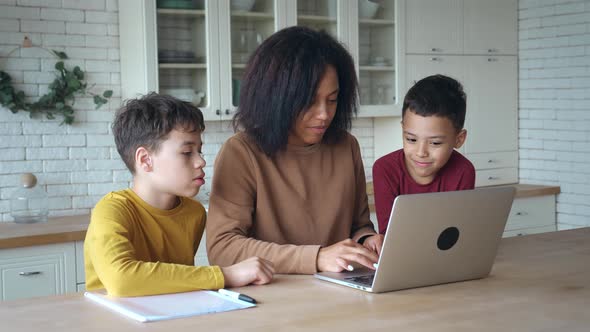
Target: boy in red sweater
{"x":433,"y":115}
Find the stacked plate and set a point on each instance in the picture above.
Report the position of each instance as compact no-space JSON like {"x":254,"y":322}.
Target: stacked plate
{"x":173,"y":56}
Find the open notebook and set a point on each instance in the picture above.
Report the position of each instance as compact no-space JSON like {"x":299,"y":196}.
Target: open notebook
{"x":169,"y":306}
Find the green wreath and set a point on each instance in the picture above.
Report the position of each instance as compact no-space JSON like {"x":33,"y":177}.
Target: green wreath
{"x":61,"y":95}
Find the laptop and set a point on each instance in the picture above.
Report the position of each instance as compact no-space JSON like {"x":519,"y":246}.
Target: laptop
{"x":435,"y":238}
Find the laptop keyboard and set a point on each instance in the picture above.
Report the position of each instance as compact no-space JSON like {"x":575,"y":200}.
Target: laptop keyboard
{"x":364,"y":280}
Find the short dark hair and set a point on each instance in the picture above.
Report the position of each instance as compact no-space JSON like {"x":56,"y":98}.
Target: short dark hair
{"x":437,"y":95}
{"x":148,"y":120}
{"x":280,"y":82}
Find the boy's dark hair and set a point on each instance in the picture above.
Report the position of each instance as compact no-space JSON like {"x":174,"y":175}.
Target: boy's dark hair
{"x":280,"y":82}
{"x":437,"y":95}
{"x":147,"y":121}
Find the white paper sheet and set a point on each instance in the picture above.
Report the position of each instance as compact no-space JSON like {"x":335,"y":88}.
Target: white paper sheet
{"x":169,"y":306}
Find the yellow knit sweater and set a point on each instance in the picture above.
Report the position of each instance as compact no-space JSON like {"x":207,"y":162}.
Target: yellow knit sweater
{"x":134,"y":249}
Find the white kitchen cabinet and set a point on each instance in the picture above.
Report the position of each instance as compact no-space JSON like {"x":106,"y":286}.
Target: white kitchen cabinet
{"x":462,"y":27}
{"x":495,"y":168}
{"x":422,"y":65}
{"x":473,"y":41}
{"x":492,"y":92}
{"x":199,"y":53}
{"x":492,"y":118}
{"x":530,"y":215}
{"x":489,"y":27}
{"x":434,"y":26}
{"x":376,"y":46}
{"x":80,"y":274}
{"x":37,"y":271}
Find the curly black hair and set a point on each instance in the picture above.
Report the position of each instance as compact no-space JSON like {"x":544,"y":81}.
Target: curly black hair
{"x":280,"y":82}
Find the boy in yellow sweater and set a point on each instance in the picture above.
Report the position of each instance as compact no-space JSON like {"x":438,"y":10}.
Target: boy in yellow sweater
{"x":142,"y":240}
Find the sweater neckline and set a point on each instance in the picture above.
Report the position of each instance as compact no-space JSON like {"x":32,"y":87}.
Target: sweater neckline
{"x":154,"y":210}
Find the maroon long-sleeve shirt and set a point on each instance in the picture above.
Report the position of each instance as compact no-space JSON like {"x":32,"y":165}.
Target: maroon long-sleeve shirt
{"x":391,"y":179}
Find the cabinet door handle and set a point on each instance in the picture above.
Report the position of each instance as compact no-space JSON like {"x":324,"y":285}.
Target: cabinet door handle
{"x":491,"y":161}
{"x":491,"y":50}
{"x":227,"y":112}
{"x":218,"y":112}
{"x":521,"y":213}
{"x":492,"y":59}
{"x":493,"y":178}
{"x":434,"y":49}
{"x":30,"y":273}
{"x":434,"y":59}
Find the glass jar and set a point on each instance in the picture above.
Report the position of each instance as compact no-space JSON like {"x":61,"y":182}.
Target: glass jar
{"x":28,"y":203}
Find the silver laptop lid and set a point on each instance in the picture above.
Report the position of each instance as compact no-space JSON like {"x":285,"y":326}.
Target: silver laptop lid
{"x":444,"y":237}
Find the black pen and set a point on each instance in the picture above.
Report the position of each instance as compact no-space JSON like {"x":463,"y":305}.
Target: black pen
{"x":236,"y":295}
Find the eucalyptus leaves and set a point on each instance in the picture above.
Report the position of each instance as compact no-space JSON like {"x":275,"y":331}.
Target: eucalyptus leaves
{"x":59,"y":98}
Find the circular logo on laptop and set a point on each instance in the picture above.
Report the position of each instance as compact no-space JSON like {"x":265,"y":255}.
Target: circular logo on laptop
{"x":448,"y":238}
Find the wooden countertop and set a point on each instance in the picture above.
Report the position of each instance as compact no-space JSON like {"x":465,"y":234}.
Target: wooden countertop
{"x":55,"y":230}
{"x":532,"y":190}
{"x":538,"y":283}
{"x":73,"y":228}
{"x":522,"y":190}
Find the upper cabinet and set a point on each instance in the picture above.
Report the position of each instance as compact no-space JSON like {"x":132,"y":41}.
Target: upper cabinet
{"x":489,"y":27}
{"x":434,"y":26}
{"x":193,"y":50}
{"x":197,"y":50}
{"x":377,"y":57}
{"x":461,"y":27}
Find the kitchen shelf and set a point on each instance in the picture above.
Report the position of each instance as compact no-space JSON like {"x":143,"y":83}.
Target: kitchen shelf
{"x":375,"y":22}
{"x":182,"y":66}
{"x":316,"y":19}
{"x":377,"y":68}
{"x":252,"y":16}
{"x":181,"y":12}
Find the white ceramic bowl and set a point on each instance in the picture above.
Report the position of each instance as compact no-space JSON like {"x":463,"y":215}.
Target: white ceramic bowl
{"x":367,"y":8}
{"x":245,"y":5}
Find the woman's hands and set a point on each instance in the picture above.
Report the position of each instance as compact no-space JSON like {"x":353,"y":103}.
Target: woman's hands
{"x":254,"y":270}
{"x":339,"y":256}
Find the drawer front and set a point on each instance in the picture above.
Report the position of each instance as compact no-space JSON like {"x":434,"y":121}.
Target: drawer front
{"x":80,"y":275}
{"x":37,"y":271}
{"x":31,"y":279}
{"x":493,"y":177}
{"x":532,"y":212}
{"x":494,"y":160}
{"x":528,"y":231}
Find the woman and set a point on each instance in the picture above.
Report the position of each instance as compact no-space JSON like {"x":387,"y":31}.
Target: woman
{"x":290,"y":185}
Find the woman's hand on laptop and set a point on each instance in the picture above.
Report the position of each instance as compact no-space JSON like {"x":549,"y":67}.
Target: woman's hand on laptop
{"x":374,"y":243}
{"x":339,"y":256}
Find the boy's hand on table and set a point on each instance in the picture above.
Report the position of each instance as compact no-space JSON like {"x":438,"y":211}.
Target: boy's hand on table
{"x":254,"y":270}
{"x":342,"y":255}
{"x":374,"y":243}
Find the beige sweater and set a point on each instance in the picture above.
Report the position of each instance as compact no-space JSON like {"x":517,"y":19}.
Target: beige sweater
{"x":284,"y":209}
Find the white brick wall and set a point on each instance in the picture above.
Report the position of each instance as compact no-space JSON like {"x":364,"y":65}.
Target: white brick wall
{"x":73,"y":163}
{"x":554,"y":98}
{"x":78,"y":164}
